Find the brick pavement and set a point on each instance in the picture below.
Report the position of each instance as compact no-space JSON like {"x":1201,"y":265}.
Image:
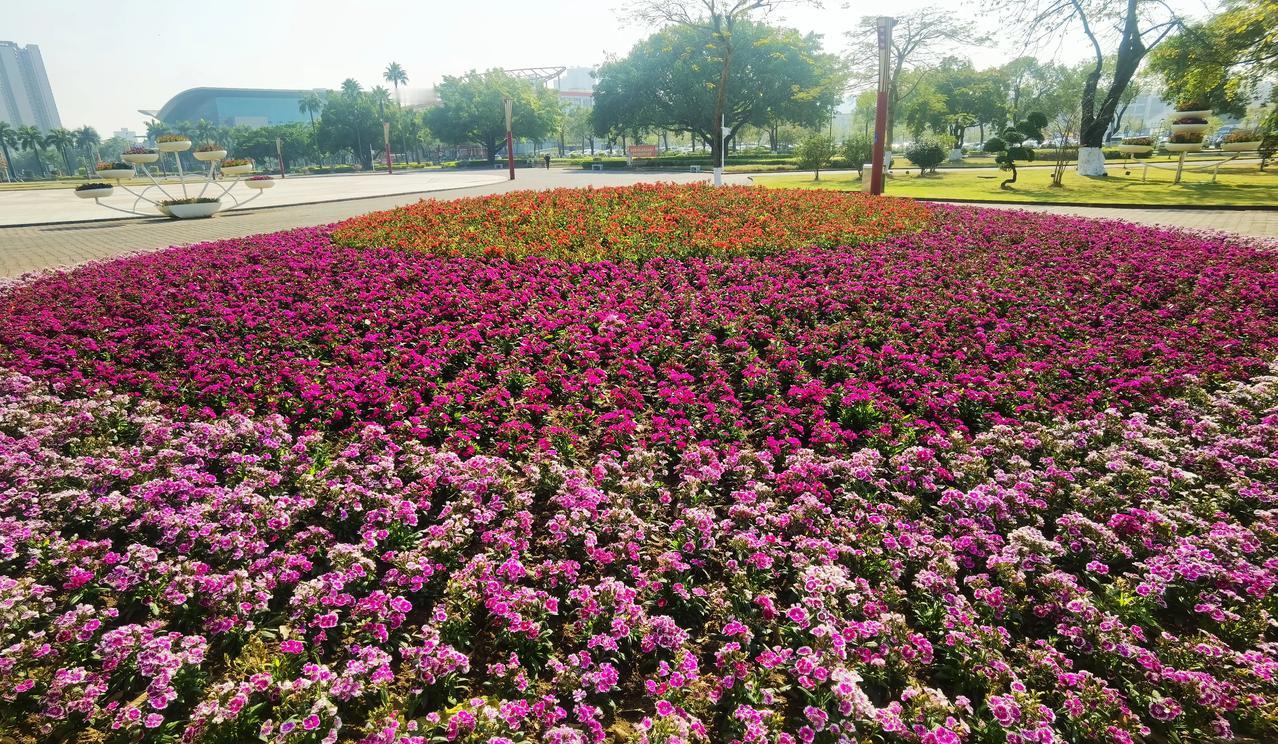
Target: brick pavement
{"x":25,"y":249}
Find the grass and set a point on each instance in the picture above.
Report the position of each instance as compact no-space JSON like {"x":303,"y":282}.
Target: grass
{"x":1243,"y":186}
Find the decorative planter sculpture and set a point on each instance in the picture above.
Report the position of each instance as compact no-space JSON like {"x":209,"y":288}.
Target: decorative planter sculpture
{"x":185,"y":206}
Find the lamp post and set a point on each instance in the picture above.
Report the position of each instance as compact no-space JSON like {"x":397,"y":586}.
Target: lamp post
{"x":381,"y":106}
{"x":884,"y":26}
{"x":510,"y":140}
{"x":279,"y":153}
{"x":723,"y":149}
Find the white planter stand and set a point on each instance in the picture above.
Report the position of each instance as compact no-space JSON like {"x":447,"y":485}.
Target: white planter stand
{"x":1240,"y":146}
{"x":1091,"y":162}
{"x":221,"y":189}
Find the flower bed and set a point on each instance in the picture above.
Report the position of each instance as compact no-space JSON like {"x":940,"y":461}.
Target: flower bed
{"x":633,"y":222}
{"x":986,"y":481}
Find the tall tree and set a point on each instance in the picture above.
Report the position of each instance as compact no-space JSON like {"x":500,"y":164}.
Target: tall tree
{"x":471,"y":110}
{"x":1224,"y":60}
{"x":349,"y":124}
{"x":396,"y":76}
{"x":1138,"y":26}
{"x":87,"y":138}
{"x":719,"y":19}
{"x":669,"y":82}
{"x":62,"y":140}
{"x":8,"y":139}
{"x":919,"y":40}
{"x":310,"y":104}
{"x":351,"y":88}
{"x":33,"y":141}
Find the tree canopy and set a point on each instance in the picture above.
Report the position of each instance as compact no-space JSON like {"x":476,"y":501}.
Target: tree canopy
{"x":471,"y":110}
{"x":669,"y":82}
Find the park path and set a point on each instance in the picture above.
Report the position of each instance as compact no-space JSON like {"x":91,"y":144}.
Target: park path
{"x":33,"y":248}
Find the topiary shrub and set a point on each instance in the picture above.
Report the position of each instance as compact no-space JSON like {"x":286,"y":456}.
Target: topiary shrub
{"x":1009,"y":146}
{"x":927,"y":153}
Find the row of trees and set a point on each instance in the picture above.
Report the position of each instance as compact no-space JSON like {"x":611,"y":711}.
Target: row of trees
{"x":71,"y":145}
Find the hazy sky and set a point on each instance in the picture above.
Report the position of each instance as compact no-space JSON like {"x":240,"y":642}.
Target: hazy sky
{"x":108,"y":58}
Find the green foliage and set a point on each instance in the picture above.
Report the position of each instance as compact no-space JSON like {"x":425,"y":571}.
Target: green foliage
{"x":815,"y":153}
{"x":1009,"y":146}
{"x":927,"y":153}
{"x":471,"y":110}
{"x":669,"y":82}
{"x":350,"y":123}
{"x":1222,"y":62}
{"x":857,"y":151}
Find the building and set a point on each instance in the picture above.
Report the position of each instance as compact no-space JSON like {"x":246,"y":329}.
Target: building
{"x":128,"y":135}
{"x":576,"y":85}
{"x":248,"y":107}
{"x":25,"y":96}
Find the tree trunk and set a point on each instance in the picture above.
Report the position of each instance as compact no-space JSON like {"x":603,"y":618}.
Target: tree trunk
{"x":1011,"y":180}
{"x":1095,"y":120}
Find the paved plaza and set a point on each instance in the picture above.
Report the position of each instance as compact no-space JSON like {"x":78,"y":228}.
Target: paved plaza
{"x":35,"y":206}
{"x":32,"y":248}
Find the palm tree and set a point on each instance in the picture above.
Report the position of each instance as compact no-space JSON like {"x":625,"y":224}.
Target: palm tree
{"x":204,"y":131}
{"x":87,"y":138}
{"x":155,"y":128}
{"x":62,"y":139}
{"x":31,"y":139}
{"x":8,"y":138}
{"x":311,"y":104}
{"x":351,"y":88}
{"x":395,"y":75}
{"x":380,"y":95}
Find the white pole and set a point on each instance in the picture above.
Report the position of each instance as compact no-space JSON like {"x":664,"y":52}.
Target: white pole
{"x":723,"y":147}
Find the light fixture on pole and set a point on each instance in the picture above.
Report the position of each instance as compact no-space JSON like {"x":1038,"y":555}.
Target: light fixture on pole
{"x":884,"y":26}
{"x":724,"y":133}
{"x":510,"y":140}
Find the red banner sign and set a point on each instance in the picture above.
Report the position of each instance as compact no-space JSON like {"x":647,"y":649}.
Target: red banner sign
{"x":643,"y":151}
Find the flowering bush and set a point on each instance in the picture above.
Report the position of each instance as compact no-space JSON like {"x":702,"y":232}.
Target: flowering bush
{"x":1144,"y":141}
{"x":172,"y":138}
{"x":232,"y":162}
{"x":140,"y":151}
{"x":633,"y":222}
{"x":210,"y":147}
{"x":107,"y":165}
{"x":1185,"y":138}
{"x":1005,"y":478}
{"x":92,"y":186}
{"x":261,"y":178}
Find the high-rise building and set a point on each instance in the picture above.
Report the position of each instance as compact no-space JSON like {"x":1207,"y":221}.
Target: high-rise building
{"x":25,"y":96}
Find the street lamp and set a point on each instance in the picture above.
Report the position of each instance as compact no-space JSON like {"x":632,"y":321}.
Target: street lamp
{"x":381,"y":106}
{"x":510,"y":141}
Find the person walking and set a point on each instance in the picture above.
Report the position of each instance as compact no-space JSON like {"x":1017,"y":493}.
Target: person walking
{"x":546,"y":157}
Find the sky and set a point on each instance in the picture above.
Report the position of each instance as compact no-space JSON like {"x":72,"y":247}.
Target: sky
{"x":107,"y":59}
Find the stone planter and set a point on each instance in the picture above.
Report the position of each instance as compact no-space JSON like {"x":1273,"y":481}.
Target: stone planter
{"x":116,"y":173}
{"x":193,"y":211}
{"x":1240,"y":146}
{"x":1136,"y":149}
{"x":140,"y":158}
{"x":1183,"y":146}
{"x":210,"y":155}
{"x":236,"y":170}
{"x":178,"y":146}
{"x":259,"y":184}
{"x":95,"y":193}
{"x":1187,"y":128}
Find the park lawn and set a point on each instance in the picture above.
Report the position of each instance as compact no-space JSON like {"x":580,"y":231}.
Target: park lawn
{"x":1234,"y":187}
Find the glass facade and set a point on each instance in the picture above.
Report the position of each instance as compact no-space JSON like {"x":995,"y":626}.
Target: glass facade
{"x":236,"y":106}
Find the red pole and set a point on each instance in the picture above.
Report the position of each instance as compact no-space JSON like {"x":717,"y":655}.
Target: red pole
{"x":386,"y":139}
{"x":881,"y":114}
